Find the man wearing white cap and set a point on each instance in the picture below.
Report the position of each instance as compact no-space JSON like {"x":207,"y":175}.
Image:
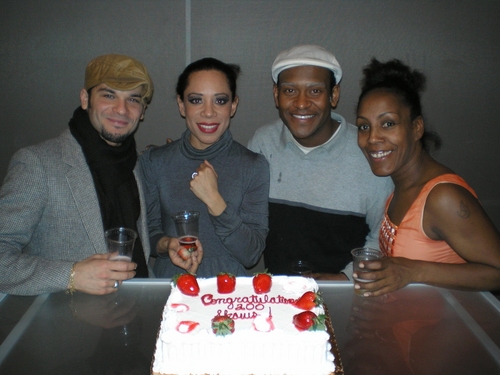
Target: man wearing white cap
{"x":61,"y":195}
{"x":323,"y":200}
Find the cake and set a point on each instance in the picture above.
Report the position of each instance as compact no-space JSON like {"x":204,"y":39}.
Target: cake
{"x":263,"y":338}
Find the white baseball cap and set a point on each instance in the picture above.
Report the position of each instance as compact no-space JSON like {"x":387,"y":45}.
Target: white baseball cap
{"x":306,"y":54}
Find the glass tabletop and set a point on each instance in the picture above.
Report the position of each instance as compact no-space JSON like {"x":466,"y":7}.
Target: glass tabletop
{"x":417,"y":330}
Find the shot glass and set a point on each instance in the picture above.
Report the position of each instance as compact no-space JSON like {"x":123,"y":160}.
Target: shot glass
{"x":364,"y":254}
{"x":120,"y":242}
{"x":187,"y":227}
{"x":300,"y":268}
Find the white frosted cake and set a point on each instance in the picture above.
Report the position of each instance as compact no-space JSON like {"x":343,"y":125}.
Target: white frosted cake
{"x":265,"y":340}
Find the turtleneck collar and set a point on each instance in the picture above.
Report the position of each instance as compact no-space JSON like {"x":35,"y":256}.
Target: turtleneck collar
{"x":221,"y":145}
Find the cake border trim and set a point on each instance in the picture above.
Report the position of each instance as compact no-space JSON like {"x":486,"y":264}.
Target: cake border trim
{"x":339,"y":369}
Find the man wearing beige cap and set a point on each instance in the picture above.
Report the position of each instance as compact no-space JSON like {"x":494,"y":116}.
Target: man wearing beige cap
{"x":323,"y":200}
{"x":61,"y":195}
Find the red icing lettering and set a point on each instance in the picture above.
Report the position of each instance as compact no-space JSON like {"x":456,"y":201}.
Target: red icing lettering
{"x":244,"y":303}
{"x":236,"y":315}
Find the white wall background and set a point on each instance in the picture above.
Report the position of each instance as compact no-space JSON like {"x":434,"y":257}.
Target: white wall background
{"x":45,"y":45}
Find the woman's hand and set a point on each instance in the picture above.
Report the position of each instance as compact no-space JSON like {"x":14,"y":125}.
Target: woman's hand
{"x":172,"y":246}
{"x":204,"y":186}
{"x":389,"y":275}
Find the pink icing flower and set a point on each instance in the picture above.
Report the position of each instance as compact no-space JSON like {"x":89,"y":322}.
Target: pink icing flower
{"x":179,"y":307}
{"x":186,"y":326}
{"x":262,"y":323}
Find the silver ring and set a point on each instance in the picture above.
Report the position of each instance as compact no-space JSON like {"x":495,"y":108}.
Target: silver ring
{"x":194,"y":175}
{"x":116,"y":284}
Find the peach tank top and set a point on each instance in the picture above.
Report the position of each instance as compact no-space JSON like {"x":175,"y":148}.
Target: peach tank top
{"x":408,"y":239}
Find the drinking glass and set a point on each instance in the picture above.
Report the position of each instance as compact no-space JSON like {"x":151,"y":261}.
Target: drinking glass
{"x":364,"y":254}
{"x":186,"y":224}
{"x":120,"y":242}
{"x":301,"y":268}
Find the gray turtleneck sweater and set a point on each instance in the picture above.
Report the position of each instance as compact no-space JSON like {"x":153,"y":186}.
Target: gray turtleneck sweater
{"x":232,"y":241}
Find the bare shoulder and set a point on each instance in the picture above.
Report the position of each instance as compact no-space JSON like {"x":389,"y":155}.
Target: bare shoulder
{"x":450,"y":208}
{"x":453,"y":214}
{"x":448,"y":199}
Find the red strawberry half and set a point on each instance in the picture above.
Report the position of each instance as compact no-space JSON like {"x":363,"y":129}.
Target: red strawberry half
{"x":222,"y":325}
{"x":308,"y":301}
{"x":262,"y":282}
{"x":226,"y":283}
{"x":309,"y":321}
{"x":187,"y":284}
{"x":184,"y":253}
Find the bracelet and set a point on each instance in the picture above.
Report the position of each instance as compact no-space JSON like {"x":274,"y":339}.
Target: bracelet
{"x":71,"y":288}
